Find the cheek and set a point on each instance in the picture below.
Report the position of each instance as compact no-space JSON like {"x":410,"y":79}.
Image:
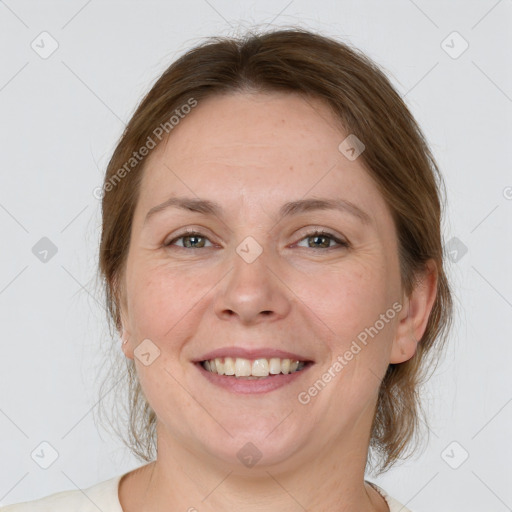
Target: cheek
{"x":349,"y":298}
{"x":162,"y":299}
{"x":358,"y":339}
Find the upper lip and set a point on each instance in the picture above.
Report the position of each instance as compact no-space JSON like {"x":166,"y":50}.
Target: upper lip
{"x":255,"y":353}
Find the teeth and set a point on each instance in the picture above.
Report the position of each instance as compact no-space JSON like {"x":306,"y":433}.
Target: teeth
{"x":240,"y":367}
{"x":275,"y":365}
{"x":219,"y":366}
{"x":260,"y":368}
{"x":229,"y":366}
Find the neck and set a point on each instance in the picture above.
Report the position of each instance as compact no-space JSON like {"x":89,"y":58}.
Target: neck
{"x":331,"y":479}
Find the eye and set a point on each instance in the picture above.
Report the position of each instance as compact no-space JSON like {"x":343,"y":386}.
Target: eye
{"x":191,"y":240}
{"x":322,"y":239}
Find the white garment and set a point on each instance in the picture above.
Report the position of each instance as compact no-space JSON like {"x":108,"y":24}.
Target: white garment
{"x":105,"y":497}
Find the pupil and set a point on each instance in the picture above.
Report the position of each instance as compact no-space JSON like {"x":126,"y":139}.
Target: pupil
{"x":192,"y":238}
{"x":318,"y":237}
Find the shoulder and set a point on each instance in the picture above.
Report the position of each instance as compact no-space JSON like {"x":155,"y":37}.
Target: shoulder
{"x":102,"y":496}
{"x":394,"y":505}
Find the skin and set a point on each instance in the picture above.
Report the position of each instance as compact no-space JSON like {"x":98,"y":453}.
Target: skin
{"x":251,"y":153}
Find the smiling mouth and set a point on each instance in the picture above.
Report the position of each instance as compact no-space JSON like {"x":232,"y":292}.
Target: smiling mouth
{"x":260,"y":368}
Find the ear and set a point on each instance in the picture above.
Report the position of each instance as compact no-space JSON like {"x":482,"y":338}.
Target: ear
{"x":127,"y":347}
{"x":414,"y":316}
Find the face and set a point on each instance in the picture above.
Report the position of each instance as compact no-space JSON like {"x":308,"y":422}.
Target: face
{"x":255,"y":279}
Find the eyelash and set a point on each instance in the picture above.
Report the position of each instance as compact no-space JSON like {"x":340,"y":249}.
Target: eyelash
{"x":315,"y":232}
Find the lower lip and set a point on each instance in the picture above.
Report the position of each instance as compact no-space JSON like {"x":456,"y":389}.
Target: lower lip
{"x":250,"y":386}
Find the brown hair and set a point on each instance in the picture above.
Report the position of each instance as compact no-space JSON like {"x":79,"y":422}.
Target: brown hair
{"x":396,"y":156}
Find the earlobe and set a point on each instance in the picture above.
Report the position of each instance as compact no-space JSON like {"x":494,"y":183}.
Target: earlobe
{"x":126,"y":345}
{"x":405,"y":344}
{"x":415,"y":315}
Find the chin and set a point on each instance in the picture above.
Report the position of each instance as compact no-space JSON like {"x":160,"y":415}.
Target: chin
{"x":253,"y":448}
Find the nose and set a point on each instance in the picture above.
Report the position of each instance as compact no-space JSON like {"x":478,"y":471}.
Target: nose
{"x":253,"y":292}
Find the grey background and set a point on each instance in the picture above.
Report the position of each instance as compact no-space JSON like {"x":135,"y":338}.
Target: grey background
{"x":61,"y":117}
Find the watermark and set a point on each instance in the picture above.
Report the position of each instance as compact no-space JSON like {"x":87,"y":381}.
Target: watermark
{"x":146,"y":352}
{"x":44,"y":454}
{"x":342,"y":360}
{"x":351,"y":147}
{"x":151,"y":142}
{"x":249,"y":454}
{"x":455,"y":249}
{"x":454,"y":45}
{"x":249,"y":249}
{"x":455,"y":455}
{"x":44,"y":250}
{"x":45,"y":45}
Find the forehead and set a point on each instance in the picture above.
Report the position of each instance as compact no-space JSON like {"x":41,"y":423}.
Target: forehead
{"x":266,"y":126}
{"x":257,"y":148}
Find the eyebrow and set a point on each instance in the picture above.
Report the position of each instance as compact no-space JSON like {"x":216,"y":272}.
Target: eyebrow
{"x":291,"y":208}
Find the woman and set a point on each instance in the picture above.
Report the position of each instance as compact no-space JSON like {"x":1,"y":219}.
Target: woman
{"x":273,"y":262}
